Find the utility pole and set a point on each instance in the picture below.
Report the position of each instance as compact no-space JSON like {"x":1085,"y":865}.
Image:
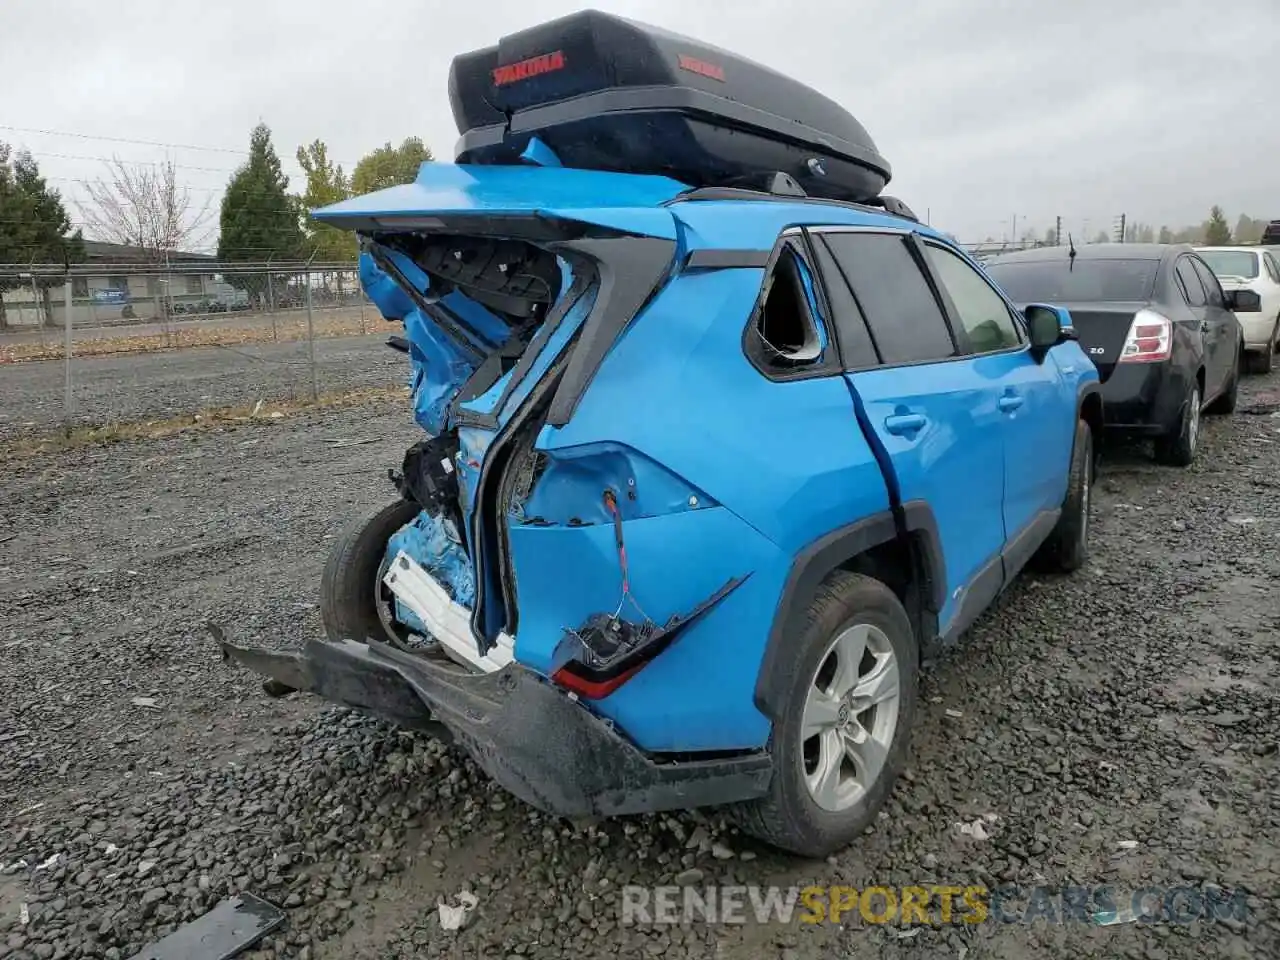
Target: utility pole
{"x":1120,"y":229}
{"x":66,"y":327}
{"x":1057,"y":232}
{"x":311,"y":335}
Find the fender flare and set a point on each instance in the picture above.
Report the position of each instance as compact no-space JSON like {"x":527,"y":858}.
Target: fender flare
{"x":1090,"y":388}
{"x":815,"y":561}
{"x":1085,"y":391}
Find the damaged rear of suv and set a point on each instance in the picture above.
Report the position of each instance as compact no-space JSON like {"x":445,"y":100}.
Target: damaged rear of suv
{"x":710,"y":461}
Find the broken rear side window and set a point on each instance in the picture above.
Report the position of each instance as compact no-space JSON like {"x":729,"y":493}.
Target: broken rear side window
{"x":787,"y":332}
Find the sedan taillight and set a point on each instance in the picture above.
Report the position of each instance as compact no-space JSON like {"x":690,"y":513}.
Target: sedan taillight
{"x":1150,"y":338}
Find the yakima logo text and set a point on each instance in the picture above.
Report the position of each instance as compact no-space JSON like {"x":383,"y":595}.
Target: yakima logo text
{"x":701,"y":67}
{"x":524,"y":69}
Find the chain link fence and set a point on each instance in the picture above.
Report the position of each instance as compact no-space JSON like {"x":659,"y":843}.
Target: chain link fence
{"x":102,"y":343}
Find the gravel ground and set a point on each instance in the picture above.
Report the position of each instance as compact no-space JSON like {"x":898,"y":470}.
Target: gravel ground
{"x":130,"y":387}
{"x":1119,"y":727}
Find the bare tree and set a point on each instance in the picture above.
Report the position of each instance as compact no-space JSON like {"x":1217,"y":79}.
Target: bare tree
{"x":143,"y":205}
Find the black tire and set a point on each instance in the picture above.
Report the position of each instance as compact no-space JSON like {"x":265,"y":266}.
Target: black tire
{"x":787,"y":817}
{"x":1067,"y":547}
{"x":1266,"y":361}
{"x":1178,"y":447}
{"x":348,"y":586}
{"x":1225,"y":402}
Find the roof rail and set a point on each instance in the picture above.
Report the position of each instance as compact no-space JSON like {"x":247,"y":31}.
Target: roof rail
{"x":783,"y":187}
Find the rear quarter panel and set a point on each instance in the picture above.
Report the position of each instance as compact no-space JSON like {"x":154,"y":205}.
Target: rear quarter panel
{"x":779,"y":465}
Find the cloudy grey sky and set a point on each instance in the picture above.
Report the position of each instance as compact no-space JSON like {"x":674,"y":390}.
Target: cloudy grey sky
{"x":987,"y":109}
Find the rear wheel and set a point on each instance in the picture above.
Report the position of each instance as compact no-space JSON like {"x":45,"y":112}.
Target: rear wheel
{"x":845,"y":720}
{"x":1262,"y":362}
{"x":1178,"y":447}
{"x":349,"y":584}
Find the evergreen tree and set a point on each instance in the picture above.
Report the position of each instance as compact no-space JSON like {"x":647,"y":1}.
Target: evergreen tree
{"x":34,"y":225}
{"x":1217,"y":233}
{"x":259,"y":220}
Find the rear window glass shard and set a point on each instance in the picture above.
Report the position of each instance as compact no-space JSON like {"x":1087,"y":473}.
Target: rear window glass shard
{"x":788,"y":327}
{"x":904,"y":316}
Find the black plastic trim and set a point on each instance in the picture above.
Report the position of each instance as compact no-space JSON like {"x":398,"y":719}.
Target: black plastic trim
{"x":581,"y":282}
{"x":528,"y":735}
{"x":528,"y":356}
{"x":628,"y":279}
{"x":800,"y":245}
{"x":959,"y":336}
{"x":727,"y":259}
{"x":660,"y":640}
{"x":812,"y":565}
{"x":918,"y":519}
{"x":745,"y":193}
{"x":1022,"y":548}
{"x":978,"y":595}
{"x":1088,"y":389}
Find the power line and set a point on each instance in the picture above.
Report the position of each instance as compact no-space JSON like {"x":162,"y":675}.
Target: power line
{"x":136,"y":163}
{"x":143,"y":143}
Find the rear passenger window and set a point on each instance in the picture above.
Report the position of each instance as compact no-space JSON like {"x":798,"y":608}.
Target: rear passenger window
{"x":1212,"y":288}
{"x":981,"y":311}
{"x":787,"y":335}
{"x":1190,"y":283}
{"x":901,"y":311}
{"x":850,"y":326}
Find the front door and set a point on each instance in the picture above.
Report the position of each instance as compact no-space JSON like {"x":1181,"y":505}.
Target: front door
{"x":934,"y":413}
{"x":1038,"y":433}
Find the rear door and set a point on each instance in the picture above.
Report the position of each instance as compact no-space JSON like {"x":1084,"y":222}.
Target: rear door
{"x":933,"y":412}
{"x":1187,"y":279}
{"x":1222,"y":327}
{"x":1037,"y":418}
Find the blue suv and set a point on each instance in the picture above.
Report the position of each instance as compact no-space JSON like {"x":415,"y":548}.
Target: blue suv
{"x":709,"y":469}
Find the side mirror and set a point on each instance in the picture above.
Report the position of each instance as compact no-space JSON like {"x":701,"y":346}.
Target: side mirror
{"x":1243,"y":301}
{"x":1048,"y":326}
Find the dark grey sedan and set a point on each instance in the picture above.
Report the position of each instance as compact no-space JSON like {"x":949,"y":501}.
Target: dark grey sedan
{"x":1156,"y":323}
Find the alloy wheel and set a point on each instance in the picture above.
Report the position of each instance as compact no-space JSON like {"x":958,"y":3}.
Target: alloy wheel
{"x":850,"y":717}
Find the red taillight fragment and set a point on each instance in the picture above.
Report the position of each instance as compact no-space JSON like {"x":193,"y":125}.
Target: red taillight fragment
{"x":593,"y":689}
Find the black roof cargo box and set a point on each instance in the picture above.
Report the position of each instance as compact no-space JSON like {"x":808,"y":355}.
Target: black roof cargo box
{"x":607,"y":93}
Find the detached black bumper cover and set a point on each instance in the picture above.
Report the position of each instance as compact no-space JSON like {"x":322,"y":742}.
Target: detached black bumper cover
{"x":526,"y":734}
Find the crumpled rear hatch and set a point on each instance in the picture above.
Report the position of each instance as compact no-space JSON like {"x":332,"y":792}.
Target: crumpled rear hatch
{"x":513,"y":283}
